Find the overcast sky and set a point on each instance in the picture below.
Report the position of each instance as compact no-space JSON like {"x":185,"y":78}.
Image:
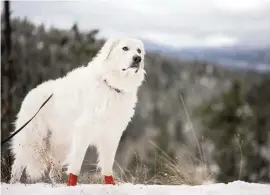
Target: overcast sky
{"x":179,"y":23}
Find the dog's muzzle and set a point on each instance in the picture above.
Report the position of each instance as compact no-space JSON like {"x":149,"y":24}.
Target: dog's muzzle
{"x":136,"y":62}
{"x":135,"y":66}
{"x":137,"y":59}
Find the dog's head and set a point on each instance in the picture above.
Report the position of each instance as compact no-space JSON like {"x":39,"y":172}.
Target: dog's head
{"x":123,"y":60}
{"x":126,"y":54}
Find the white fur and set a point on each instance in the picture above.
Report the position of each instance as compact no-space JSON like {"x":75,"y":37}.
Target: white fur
{"x":84,"y":110}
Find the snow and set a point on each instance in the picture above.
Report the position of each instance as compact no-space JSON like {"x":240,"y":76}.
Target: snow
{"x":234,"y":188}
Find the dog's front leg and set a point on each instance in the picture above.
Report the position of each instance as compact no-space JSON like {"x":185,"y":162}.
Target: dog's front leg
{"x":107,"y":149}
{"x":79,"y":147}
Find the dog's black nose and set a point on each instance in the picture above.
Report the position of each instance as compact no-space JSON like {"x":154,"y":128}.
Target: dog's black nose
{"x":137,"y":59}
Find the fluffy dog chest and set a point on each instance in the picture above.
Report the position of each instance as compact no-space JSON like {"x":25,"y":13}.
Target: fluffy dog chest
{"x":112,"y":108}
{"x":108,"y":116}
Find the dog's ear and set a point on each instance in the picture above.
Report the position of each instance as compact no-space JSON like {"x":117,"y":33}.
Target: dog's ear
{"x":108,"y":47}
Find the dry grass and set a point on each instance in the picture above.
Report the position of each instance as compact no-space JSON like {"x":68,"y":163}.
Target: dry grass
{"x":90,"y":178}
{"x":185,"y":170}
{"x":163,"y":171}
{"x":175,"y":173}
{"x":139,"y":174}
{"x":5,"y":169}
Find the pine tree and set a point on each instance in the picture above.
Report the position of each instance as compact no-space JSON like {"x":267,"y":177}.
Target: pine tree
{"x":259,"y":164}
{"x":225,"y":121}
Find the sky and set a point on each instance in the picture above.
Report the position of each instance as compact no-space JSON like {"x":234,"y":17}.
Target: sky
{"x":176,"y":23}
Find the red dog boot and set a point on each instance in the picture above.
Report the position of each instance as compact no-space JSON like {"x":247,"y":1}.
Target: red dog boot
{"x":72,"y":180}
{"x":109,"y":180}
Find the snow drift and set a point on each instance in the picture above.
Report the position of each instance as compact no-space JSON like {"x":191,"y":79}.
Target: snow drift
{"x":234,"y":188}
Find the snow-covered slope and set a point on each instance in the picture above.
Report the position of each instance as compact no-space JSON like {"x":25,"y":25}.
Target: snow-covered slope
{"x":234,"y":188}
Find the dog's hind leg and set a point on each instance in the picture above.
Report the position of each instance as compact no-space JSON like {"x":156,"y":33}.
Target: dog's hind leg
{"x":30,"y":150}
{"x":34,"y":168}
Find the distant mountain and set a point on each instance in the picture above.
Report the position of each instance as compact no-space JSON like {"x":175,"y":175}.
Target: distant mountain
{"x":233,"y":57}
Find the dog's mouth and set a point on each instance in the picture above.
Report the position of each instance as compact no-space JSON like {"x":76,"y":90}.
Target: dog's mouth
{"x":135,"y":66}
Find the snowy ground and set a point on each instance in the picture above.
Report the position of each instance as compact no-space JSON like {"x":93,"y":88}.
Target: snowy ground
{"x":234,"y":188}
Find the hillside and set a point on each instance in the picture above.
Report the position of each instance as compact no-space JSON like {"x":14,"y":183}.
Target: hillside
{"x":235,"y":57}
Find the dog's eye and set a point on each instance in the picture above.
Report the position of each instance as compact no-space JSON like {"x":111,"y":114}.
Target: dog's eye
{"x":139,"y":51}
{"x":125,"y":48}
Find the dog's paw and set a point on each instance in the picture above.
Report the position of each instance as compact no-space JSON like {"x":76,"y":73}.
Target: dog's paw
{"x":72,"y":180}
{"x":109,"y":179}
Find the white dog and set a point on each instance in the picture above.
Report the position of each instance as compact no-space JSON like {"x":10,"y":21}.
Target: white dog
{"x":92,"y":105}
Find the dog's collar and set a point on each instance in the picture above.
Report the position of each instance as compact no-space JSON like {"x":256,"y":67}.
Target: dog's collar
{"x":113,"y":88}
